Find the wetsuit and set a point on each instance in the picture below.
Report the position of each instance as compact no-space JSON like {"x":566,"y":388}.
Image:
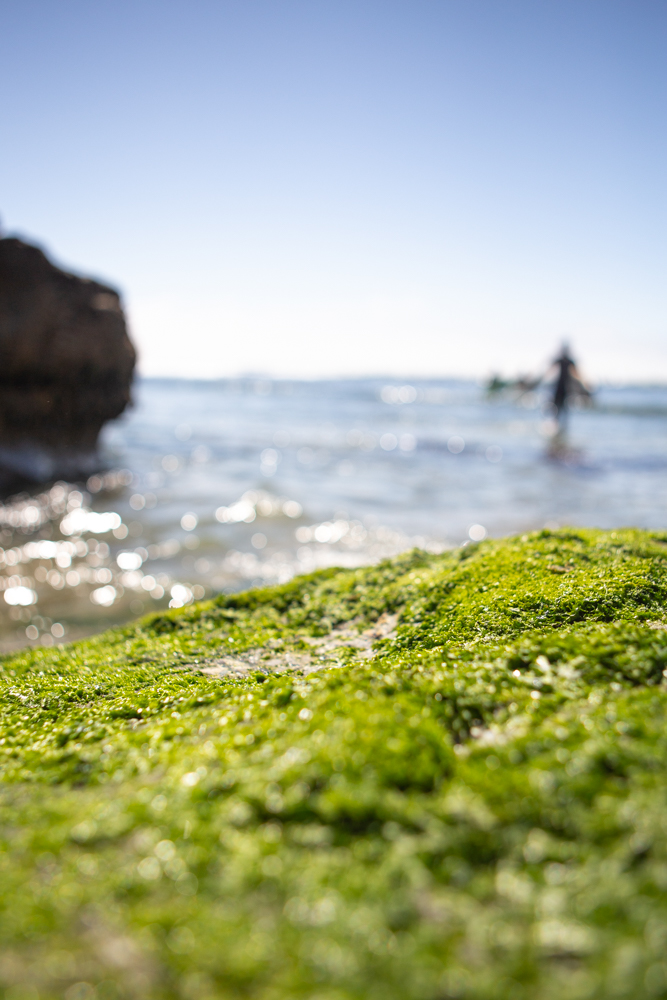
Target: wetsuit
{"x":563,"y":383}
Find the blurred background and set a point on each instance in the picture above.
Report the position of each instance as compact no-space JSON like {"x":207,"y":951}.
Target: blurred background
{"x":331,"y":225}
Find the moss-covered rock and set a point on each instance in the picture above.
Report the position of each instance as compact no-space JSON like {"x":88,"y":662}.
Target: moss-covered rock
{"x":443,"y":776}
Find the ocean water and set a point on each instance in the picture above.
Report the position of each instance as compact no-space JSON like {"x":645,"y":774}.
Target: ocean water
{"x":217,"y":486}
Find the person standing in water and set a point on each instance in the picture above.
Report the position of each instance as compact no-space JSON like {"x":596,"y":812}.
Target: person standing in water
{"x":568,"y":383}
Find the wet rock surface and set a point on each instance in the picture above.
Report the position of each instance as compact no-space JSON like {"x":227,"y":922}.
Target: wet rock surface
{"x":66,"y":366}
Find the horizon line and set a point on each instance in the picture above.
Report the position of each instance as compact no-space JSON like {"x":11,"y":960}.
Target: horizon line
{"x":404,"y":379}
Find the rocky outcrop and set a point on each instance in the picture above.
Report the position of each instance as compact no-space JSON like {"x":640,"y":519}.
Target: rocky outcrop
{"x":66,"y":365}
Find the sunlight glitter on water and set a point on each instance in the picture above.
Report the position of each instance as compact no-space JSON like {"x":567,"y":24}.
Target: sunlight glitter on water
{"x":78,"y":577}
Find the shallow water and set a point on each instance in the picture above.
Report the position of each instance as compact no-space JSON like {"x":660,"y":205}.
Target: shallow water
{"x":215,"y":486}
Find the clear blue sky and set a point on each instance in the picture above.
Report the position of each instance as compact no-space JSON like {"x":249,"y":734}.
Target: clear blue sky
{"x":351,"y":186}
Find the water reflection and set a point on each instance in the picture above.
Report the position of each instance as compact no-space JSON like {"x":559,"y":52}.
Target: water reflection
{"x":80,"y":570}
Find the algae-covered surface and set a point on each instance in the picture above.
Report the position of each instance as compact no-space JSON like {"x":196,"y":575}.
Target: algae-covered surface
{"x":442,"y":776}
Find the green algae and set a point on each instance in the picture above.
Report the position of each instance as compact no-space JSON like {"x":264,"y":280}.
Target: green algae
{"x":476,"y":810}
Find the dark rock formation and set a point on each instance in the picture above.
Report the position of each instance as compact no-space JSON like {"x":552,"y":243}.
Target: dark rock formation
{"x":66,"y":365}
